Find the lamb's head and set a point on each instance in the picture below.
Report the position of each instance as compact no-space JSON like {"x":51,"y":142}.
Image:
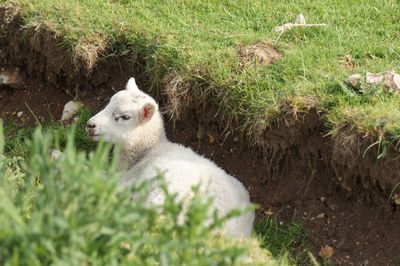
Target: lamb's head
{"x":127,"y":112}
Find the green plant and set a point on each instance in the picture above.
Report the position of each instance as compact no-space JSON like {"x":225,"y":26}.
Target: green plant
{"x":72,"y":211}
{"x":282,"y":238}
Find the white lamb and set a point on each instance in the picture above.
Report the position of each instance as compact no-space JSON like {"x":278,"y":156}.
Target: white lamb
{"x":132,"y":119}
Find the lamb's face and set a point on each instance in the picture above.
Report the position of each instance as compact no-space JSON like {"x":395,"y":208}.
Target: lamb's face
{"x":127,"y":110}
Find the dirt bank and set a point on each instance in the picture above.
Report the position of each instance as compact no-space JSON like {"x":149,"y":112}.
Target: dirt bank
{"x":340,"y":194}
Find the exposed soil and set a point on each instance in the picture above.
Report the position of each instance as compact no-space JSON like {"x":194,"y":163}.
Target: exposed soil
{"x":292,"y":171}
{"x":264,"y":53}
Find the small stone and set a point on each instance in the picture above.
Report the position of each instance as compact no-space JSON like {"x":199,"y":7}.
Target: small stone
{"x":201,"y":132}
{"x":11,"y":77}
{"x":354,"y":80}
{"x":392,"y":81}
{"x":320,"y":216}
{"x":71,"y":108}
{"x":396,"y":198}
{"x":19,"y":114}
{"x":374,"y":79}
{"x":236,"y":139}
{"x":326,"y":252}
{"x":211,"y":138}
{"x":322,"y":199}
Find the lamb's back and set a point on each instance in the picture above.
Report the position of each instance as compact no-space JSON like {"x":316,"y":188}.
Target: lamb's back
{"x":183,"y":168}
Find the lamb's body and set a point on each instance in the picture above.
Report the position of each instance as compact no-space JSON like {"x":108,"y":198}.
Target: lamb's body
{"x":147,"y":152}
{"x":184,"y":169}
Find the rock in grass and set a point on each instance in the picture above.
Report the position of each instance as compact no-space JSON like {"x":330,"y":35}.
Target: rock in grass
{"x":71,"y":109}
{"x":354,"y":80}
{"x":390,"y":79}
{"x":11,"y":77}
{"x":374,"y":78}
{"x":392,"y":82}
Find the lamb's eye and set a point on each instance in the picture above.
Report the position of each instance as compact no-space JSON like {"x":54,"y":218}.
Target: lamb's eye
{"x":123,"y":117}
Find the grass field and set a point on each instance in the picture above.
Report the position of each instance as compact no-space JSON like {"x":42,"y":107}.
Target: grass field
{"x":194,"y":44}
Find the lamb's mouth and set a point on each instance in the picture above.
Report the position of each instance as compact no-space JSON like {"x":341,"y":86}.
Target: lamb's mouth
{"x":94,"y":136}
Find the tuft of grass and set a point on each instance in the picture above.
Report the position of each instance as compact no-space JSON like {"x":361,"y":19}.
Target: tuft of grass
{"x":282,"y":239}
{"x":197,"y":43}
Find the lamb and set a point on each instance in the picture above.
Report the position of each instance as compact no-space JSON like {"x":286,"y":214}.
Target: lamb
{"x":132,"y":120}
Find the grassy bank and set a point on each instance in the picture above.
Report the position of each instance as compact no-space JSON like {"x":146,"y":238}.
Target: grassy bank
{"x":190,"y":50}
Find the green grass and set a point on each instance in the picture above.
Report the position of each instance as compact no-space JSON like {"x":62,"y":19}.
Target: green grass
{"x":16,"y":137}
{"x":282,"y":239}
{"x":72,"y":211}
{"x":195,"y":43}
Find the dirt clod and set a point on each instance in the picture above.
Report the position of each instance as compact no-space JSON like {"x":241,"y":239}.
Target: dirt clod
{"x":263,"y":53}
{"x":326,"y":252}
{"x":11,"y":77}
{"x":211,"y":138}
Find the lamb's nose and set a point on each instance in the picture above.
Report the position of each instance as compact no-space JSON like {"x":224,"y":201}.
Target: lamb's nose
{"x":90,"y":125}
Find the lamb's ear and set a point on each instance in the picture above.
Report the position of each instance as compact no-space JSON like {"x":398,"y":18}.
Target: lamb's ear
{"x":131,"y":85}
{"x":146,"y":112}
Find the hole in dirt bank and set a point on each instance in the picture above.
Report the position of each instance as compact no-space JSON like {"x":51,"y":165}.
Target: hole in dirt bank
{"x":263,"y":52}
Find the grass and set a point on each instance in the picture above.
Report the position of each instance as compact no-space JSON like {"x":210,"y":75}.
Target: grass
{"x":192,"y":47}
{"x":282,"y":239}
{"x":16,"y":137}
{"x":71,"y":211}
